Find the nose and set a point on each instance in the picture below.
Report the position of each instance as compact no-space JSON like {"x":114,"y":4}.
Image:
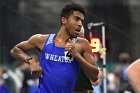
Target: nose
{"x":80,"y":23}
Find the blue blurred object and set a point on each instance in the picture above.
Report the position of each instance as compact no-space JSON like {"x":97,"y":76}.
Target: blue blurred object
{"x":32,"y":86}
{"x":3,"y":87}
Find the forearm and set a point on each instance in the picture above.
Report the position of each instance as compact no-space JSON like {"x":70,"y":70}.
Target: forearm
{"x":90,"y":70}
{"x":20,"y":54}
{"x":100,"y":76}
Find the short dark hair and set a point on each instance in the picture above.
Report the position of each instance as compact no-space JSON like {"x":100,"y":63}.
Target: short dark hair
{"x":70,"y":8}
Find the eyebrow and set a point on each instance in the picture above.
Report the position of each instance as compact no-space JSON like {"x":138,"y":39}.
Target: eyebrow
{"x":79,"y":18}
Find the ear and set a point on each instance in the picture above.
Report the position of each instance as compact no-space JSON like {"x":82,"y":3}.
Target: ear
{"x":63,"y":20}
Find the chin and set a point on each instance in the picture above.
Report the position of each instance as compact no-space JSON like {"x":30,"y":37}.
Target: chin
{"x":75,"y":36}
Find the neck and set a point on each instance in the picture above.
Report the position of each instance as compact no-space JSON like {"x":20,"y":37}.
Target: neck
{"x":62,"y":35}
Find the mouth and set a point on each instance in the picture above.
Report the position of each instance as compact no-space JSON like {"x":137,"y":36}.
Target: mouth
{"x":78,"y":29}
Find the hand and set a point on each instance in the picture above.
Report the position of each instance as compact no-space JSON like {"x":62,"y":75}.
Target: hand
{"x":70,"y":47}
{"x":100,"y":75}
{"x":36,"y":70}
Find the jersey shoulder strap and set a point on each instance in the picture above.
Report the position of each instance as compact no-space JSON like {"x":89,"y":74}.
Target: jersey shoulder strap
{"x":50,"y":38}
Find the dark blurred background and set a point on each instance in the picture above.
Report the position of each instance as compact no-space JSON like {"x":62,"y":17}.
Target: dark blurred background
{"x":20,"y":19}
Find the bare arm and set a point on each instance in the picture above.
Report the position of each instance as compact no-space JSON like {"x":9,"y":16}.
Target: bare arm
{"x":21,"y":49}
{"x":133,"y":74}
{"x":86,"y":61}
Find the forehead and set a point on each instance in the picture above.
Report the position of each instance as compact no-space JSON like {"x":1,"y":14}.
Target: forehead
{"x":78,"y":14}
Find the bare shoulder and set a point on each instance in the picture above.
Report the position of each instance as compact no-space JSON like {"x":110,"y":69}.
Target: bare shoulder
{"x":84,"y":44}
{"x":86,"y":49}
{"x":38,"y":40}
{"x":38,"y":37}
{"x":82,"y":41}
{"x":34,"y":42}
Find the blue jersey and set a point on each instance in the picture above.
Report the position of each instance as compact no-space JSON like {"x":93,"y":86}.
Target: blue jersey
{"x":59,"y":73}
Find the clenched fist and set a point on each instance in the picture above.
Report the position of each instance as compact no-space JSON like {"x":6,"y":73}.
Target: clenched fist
{"x":36,"y":70}
{"x":70,"y":47}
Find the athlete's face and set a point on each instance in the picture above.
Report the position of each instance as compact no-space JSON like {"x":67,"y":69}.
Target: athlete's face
{"x":74,"y":23}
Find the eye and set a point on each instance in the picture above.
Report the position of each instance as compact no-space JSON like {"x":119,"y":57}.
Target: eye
{"x":76,"y":19}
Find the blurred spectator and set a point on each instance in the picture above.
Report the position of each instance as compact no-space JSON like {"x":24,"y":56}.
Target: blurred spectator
{"x":120,"y":72}
{"x":8,"y":77}
{"x":3,"y":86}
{"x":113,"y":83}
{"x":19,"y":74}
{"x":32,"y":85}
{"x":29,"y":83}
{"x":18,"y":70}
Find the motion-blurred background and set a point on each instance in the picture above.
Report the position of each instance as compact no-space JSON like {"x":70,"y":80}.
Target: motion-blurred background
{"x":20,"y":19}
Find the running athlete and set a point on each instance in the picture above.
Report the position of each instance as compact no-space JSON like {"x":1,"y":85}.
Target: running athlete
{"x":61,"y":54}
{"x":133,"y":73}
